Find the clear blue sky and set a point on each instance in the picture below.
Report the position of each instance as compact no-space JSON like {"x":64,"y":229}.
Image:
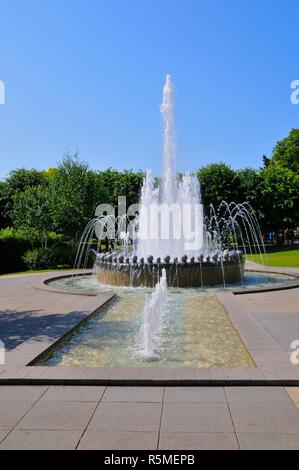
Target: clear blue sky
{"x":89,"y":74}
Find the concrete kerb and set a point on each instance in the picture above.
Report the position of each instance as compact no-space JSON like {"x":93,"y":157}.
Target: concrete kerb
{"x":229,"y":379}
{"x":93,"y":312}
{"x":44,"y":285}
{"x":273,"y":288}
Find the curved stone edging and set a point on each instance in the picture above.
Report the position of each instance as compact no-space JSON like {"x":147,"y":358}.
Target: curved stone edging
{"x":273,"y":288}
{"x":43,"y":285}
{"x":259,"y":290}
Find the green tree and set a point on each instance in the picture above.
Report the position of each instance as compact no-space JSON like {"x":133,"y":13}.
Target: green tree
{"x":280,"y":198}
{"x":20,"y":179}
{"x":4,"y":218}
{"x":250,"y":186}
{"x":17,"y":181}
{"x":266,"y":161}
{"x":120,"y":183}
{"x":218,"y":182}
{"x":31,"y":214}
{"x":286,"y":152}
{"x":72,"y":196}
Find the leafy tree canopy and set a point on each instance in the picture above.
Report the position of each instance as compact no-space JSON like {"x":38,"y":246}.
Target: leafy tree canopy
{"x":286,"y":152}
{"x":31,"y":213}
{"x":250,"y":186}
{"x":120,"y":183}
{"x":64,"y":199}
{"x":18,"y":180}
{"x":73,"y":195}
{"x":279,"y":198}
{"x":218,"y":182}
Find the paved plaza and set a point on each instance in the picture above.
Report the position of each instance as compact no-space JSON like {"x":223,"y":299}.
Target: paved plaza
{"x":38,"y":412}
{"x":80,"y":417}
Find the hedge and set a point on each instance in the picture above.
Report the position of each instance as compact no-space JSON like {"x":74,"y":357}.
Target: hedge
{"x":49,"y":258}
{"x":13,"y":245}
{"x":18,"y":252}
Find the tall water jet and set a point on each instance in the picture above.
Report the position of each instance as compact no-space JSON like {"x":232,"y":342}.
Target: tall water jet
{"x":171,"y":232}
{"x":164,"y":209}
{"x":169,"y":187}
{"x":149,"y":197}
{"x":153,"y":312}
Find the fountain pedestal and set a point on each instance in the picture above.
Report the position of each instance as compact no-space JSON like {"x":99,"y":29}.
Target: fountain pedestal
{"x":178,"y":274}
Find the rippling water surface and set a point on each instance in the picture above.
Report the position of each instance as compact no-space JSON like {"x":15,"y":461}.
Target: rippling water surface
{"x":196,"y":330}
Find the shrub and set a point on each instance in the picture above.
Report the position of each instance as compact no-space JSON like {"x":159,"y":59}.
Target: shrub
{"x":49,"y":258}
{"x":13,"y":245}
{"x":19,"y":252}
{"x":37,"y":258}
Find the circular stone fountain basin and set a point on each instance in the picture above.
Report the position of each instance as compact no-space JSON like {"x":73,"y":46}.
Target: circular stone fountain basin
{"x":209,"y":271}
{"x":88,"y":283}
{"x":178,"y":275}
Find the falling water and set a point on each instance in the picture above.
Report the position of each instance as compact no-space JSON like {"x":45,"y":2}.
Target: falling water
{"x":146,"y":250}
{"x":169,"y":187}
{"x":171,"y":191}
{"x":153,"y":312}
{"x":225,"y":233}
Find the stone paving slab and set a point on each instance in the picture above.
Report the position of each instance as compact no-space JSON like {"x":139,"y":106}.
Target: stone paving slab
{"x":41,"y":440}
{"x":283,"y":327}
{"x":120,"y":440}
{"x":256,"y":395}
{"x":72,"y":393}
{"x":62,"y":374}
{"x":126,"y":416}
{"x":196,"y":417}
{"x":242,"y":419}
{"x":198,"y":440}
{"x":134,"y":394}
{"x":3,"y":434}
{"x":58,"y":415}
{"x":27,"y":392}
{"x":265,"y":418}
{"x":286,"y":373}
{"x":262,"y":441}
{"x":194,"y":395}
{"x":12,"y":411}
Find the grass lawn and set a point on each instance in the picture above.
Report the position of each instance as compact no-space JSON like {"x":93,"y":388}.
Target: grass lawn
{"x":284,"y":258}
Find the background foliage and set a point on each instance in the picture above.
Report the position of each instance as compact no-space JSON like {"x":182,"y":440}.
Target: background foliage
{"x":43,"y":213}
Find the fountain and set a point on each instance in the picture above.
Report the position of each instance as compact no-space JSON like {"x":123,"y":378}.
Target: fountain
{"x":152,"y":318}
{"x":170,"y":215}
{"x":171,"y":243}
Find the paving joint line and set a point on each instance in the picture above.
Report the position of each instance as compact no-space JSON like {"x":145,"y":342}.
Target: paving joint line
{"x":89,"y":421}
{"x":231,"y":417}
{"x":14,"y":427}
{"x":161,"y":417}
